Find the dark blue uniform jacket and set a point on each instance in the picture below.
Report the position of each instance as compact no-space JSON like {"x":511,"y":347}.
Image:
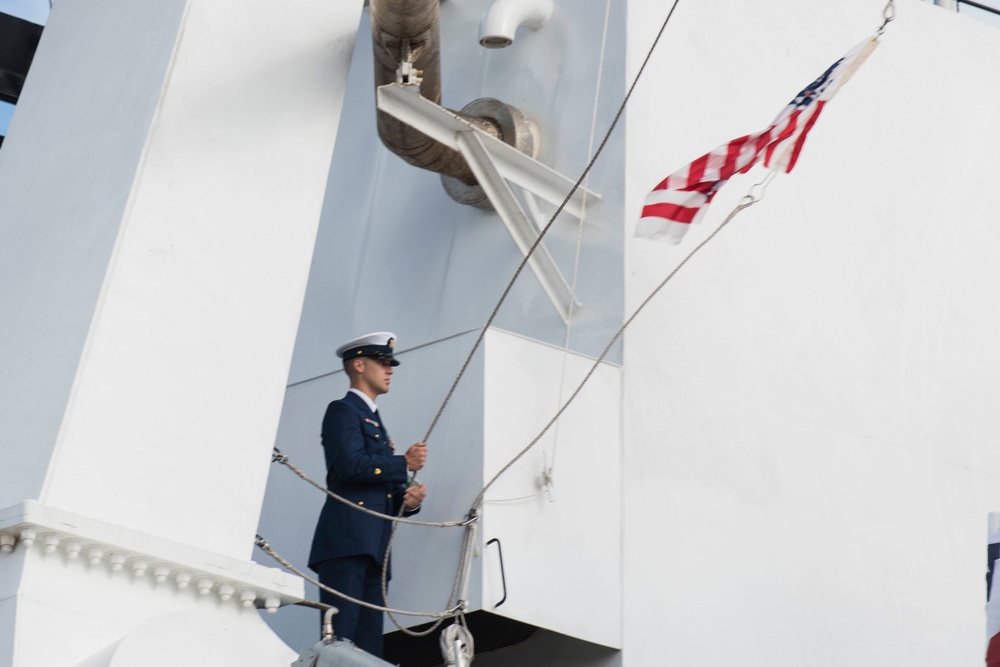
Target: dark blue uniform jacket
{"x":363,"y":469}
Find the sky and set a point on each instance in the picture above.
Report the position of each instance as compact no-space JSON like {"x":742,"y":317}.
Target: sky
{"x":35,"y":11}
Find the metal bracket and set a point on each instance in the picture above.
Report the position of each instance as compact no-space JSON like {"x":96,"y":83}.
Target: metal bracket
{"x":495,"y":163}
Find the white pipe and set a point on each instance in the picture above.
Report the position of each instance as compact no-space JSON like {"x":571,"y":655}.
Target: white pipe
{"x":504,"y":17}
{"x":950,"y":5}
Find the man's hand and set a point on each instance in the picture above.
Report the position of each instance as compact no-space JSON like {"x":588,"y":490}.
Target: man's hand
{"x":416,"y":456}
{"x":414,"y":496}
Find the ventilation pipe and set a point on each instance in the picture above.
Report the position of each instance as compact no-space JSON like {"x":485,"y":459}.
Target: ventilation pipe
{"x":504,"y":17}
{"x":407,"y":46}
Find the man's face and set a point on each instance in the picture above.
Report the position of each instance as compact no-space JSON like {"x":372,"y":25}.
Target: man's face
{"x":375,"y":375}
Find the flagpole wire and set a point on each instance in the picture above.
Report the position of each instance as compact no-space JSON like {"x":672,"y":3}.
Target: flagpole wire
{"x":552,"y":219}
{"x":549,"y":466}
{"x":758,"y":190}
{"x":263,"y":545}
{"x":754,"y":195}
{"x":888,"y":14}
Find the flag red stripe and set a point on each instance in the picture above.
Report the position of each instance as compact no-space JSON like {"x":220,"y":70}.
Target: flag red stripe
{"x":732,"y":157}
{"x":675,"y":212}
{"x":797,"y":148}
{"x":696,"y":172}
{"x":787,"y":131}
{"x":993,"y":652}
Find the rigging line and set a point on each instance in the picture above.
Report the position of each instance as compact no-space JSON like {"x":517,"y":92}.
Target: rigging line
{"x":263,"y":545}
{"x":460,"y":582}
{"x":279,"y":457}
{"x":515,"y":500}
{"x":409,"y":349}
{"x":746,"y":202}
{"x":888,"y":14}
{"x":579,"y":235}
{"x":541,"y":235}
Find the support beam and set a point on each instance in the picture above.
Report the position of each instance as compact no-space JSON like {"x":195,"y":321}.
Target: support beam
{"x":405,"y":102}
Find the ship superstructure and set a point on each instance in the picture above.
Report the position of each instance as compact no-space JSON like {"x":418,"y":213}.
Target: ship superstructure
{"x":787,"y":457}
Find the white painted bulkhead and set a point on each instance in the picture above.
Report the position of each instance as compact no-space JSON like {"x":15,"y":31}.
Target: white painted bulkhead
{"x":162,"y":183}
{"x":816,"y":390}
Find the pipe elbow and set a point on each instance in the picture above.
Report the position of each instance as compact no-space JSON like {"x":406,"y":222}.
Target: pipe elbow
{"x":501,"y":21}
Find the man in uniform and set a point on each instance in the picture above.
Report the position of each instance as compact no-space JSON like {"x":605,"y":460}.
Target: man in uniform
{"x":349,"y":546}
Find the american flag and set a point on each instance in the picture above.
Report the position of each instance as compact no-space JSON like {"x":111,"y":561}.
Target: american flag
{"x":681,"y":198}
{"x":993,"y":601}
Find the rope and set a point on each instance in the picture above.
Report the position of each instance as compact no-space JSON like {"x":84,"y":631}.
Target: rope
{"x":746,"y":202}
{"x":266,"y":548}
{"x":500,"y":501}
{"x":279,"y":457}
{"x":888,"y":14}
{"x":541,"y":235}
{"x":550,"y":465}
{"x":457,"y":645}
{"x":461,"y":576}
{"x":263,"y":545}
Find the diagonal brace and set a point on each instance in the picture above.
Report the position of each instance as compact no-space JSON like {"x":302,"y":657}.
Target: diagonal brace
{"x":470,"y":144}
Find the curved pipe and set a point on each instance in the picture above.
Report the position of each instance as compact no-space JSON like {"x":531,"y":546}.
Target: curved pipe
{"x":504,"y":17}
{"x":407,"y":31}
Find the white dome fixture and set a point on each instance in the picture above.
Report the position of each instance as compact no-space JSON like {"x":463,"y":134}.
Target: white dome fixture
{"x":504,"y":17}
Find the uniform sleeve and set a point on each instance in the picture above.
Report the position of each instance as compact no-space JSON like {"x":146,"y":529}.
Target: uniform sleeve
{"x":354,"y":456}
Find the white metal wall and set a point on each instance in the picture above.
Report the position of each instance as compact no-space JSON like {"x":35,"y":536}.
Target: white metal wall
{"x":815,"y":390}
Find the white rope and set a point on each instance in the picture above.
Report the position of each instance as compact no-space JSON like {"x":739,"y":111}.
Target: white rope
{"x":279,"y":457}
{"x":266,"y":548}
{"x":460,"y":582}
{"x":579,"y":236}
{"x":746,"y":202}
{"x":457,"y":646}
{"x":888,"y":14}
{"x":501,"y":501}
